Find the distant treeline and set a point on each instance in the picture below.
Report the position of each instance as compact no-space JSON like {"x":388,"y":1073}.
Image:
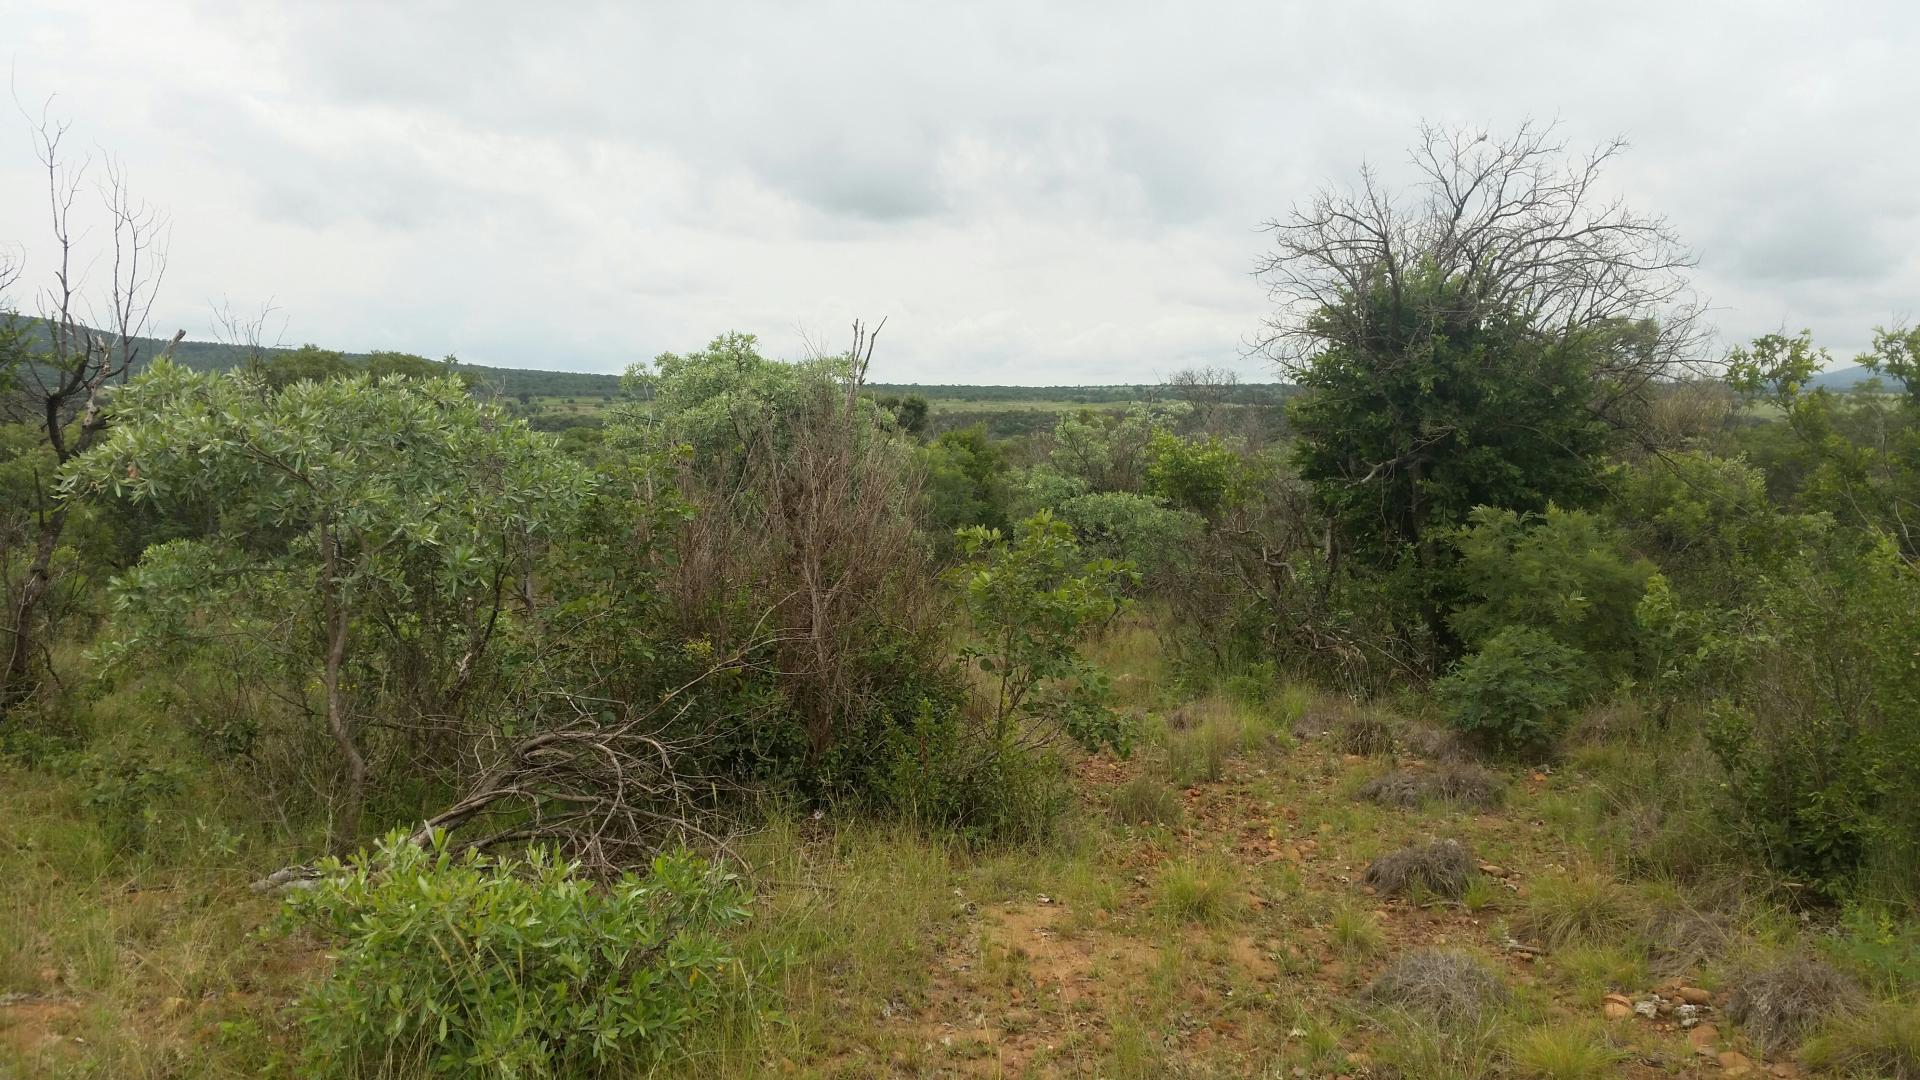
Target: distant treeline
{"x":509,"y":382}
{"x":1120,"y":393}
{"x":518,"y":382}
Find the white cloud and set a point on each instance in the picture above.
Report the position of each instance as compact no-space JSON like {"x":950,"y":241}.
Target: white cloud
{"x":1032,"y":193}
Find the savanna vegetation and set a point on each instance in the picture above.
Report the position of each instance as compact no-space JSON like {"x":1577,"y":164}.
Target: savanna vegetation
{"x":1526,"y":691}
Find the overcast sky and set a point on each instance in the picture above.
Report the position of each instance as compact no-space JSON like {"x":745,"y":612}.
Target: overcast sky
{"x":1030,"y":192}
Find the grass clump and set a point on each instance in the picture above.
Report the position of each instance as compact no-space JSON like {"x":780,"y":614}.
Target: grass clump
{"x":1363,"y":731}
{"x":1457,"y":783}
{"x":1442,"y":868}
{"x":1146,"y":800}
{"x":1434,"y":744}
{"x":1199,"y":755}
{"x":1681,"y":939}
{"x":1565,"y":1052}
{"x":1581,"y":907}
{"x":1779,"y":1006}
{"x":1199,"y":892}
{"x":1446,"y":984}
{"x":1413,"y":1045}
{"x":1357,"y":932}
{"x":1882,"y":1041}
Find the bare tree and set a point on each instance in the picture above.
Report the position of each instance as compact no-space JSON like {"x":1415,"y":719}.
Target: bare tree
{"x":1518,"y":224}
{"x":1209,"y":389}
{"x":82,"y":343}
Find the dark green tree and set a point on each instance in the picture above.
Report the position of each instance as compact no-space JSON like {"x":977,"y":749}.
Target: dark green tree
{"x":1405,"y":428}
{"x":1480,"y":341}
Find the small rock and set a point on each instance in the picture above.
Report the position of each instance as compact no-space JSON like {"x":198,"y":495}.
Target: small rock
{"x":1648,"y":1008}
{"x":1615,"y":1007}
{"x":1693,"y":995}
{"x":1735,"y":1063}
{"x":1689,"y":1015}
{"x":1491,"y":870}
{"x":1702,"y":1038}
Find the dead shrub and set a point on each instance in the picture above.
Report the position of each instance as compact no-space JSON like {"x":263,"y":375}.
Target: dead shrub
{"x":1777,"y":1007}
{"x":1441,"y":868}
{"x":1447,"y":984}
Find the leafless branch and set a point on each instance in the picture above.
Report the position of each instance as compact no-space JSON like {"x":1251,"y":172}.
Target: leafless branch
{"x":1519,"y":223}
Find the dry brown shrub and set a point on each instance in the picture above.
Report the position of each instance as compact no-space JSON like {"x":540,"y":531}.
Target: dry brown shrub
{"x":1777,"y":1007}
{"x":1460,"y":784}
{"x":1447,"y":984}
{"x":1441,"y":868}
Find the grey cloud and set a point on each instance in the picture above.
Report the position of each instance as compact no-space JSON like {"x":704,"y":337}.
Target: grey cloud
{"x":1036,"y":192}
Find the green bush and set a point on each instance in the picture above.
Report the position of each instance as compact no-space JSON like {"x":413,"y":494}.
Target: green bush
{"x":960,"y":777}
{"x":1516,"y":692}
{"x":1820,"y":735}
{"x":128,"y":790}
{"x":461,"y":965}
{"x":1563,"y":573}
{"x":1033,"y":602}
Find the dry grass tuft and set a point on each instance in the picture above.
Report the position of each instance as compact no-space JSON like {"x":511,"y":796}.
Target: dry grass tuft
{"x":1779,"y":1006}
{"x":1404,"y":789}
{"x":1353,"y":727}
{"x":1446,"y":984}
{"x":1442,"y":868}
{"x":1681,"y":939}
{"x":1434,"y":744}
{"x":1364,"y":731}
{"x":1459,"y":783}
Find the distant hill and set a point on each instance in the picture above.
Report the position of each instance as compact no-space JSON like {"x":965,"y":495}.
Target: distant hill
{"x":509,"y":382}
{"x":1845,"y":378}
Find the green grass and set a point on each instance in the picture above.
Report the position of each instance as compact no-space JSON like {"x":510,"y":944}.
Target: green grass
{"x":1356,"y":931}
{"x":1881,"y":1041}
{"x":1564,"y":1051}
{"x":1580,"y":906}
{"x":1146,"y":800}
{"x":1205,"y":891}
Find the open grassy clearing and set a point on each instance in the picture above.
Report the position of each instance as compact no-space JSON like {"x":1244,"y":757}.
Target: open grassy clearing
{"x":1202,"y":912}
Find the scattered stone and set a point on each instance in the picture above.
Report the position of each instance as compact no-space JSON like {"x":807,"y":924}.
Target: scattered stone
{"x":1735,"y":1063}
{"x":1689,"y":1015}
{"x":1616,"y":1007}
{"x":1693,"y":995}
{"x":1491,"y":870}
{"x":1702,"y":1038}
{"x":1647,"y":1008}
